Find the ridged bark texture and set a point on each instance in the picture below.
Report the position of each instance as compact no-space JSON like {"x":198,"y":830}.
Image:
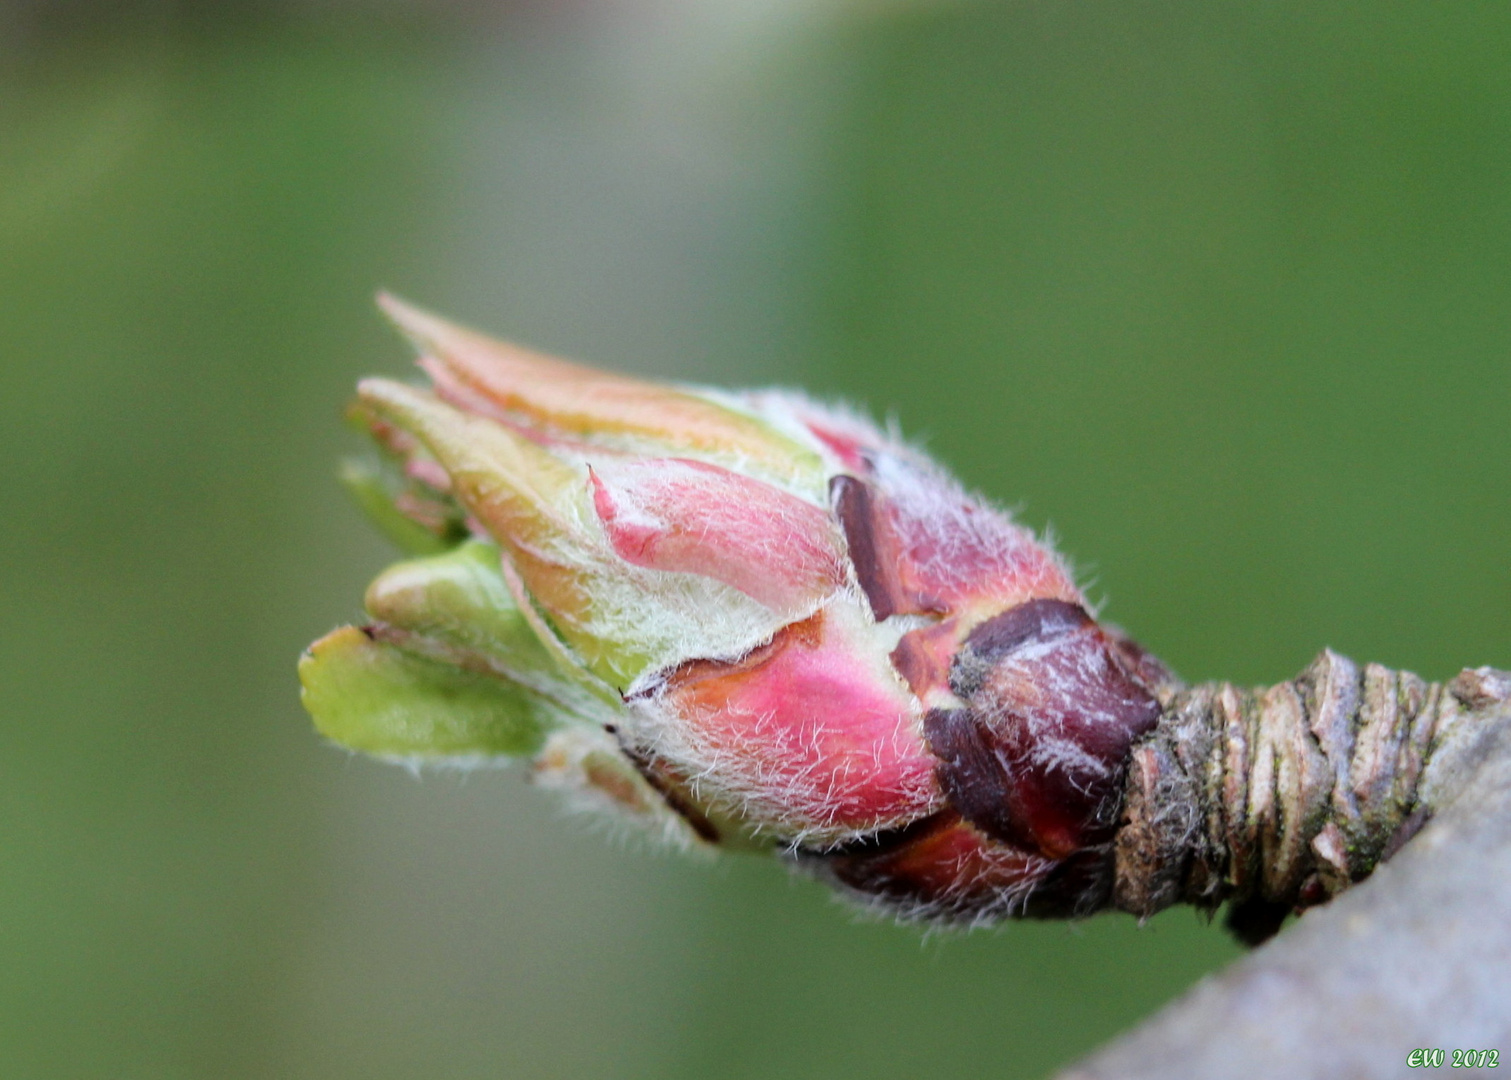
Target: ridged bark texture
{"x":1276,"y":800}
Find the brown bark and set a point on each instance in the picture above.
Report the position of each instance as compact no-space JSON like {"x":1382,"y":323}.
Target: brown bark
{"x":1275,"y":800}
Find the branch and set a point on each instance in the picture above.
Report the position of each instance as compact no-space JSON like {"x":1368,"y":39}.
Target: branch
{"x":1417,"y":956}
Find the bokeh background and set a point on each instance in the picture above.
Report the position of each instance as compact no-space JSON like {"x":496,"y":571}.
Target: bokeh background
{"x":1220,"y":292}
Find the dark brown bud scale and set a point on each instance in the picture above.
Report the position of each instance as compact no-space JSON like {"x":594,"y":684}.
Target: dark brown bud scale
{"x":976,"y":781}
{"x":1037,"y":757}
{"x":856,"y":507}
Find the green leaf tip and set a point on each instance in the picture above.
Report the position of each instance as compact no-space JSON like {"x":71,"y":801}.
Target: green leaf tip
{"x":370,"y":695}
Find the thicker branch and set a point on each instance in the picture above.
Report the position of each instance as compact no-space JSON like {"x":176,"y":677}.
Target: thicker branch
{"x":1276,"y":800}
{"x":1414,"y":957}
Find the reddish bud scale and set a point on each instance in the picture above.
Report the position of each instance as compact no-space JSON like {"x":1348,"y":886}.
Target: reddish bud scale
{"x":776,"y":548}
{"x":804,"y":731}
{"x":940,"y":867}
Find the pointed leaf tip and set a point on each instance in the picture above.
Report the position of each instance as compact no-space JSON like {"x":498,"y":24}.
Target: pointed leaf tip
{"x":387,"y":397}
{"x":428,"y":333}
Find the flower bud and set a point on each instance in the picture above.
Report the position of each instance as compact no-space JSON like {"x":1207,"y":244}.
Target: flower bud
{"x":745,"y":620}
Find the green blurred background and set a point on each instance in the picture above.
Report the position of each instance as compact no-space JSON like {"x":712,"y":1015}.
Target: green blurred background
{"x":1221,"y":292}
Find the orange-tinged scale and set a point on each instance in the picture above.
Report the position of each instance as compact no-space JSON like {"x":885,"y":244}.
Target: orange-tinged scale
{"x":922,"y":657}
{"x":515,"y":384}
